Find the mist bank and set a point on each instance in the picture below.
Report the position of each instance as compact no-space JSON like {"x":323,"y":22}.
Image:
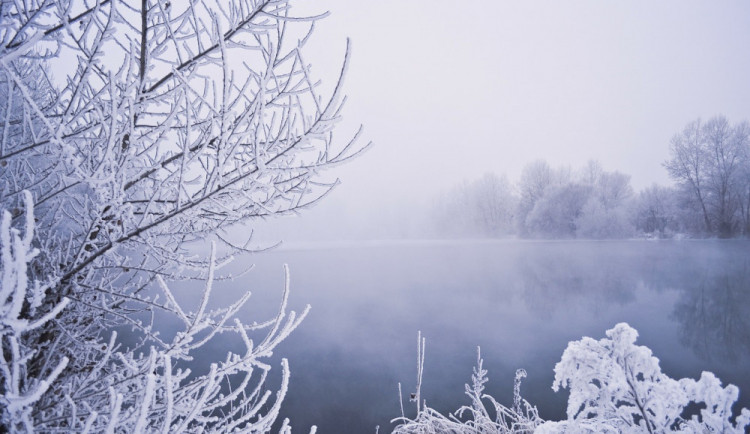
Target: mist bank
{"x":546,"y":203}
{"x":561,"y":203}
{"x":585,"y":203}
{"x":709,"y":198}
{"x":709,"y":164}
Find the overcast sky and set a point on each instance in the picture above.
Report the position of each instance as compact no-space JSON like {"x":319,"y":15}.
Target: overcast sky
{"x":448,"y":90}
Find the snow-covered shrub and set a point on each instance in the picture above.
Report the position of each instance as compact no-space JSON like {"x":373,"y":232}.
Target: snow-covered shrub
{"x":523,"y":418}
{"x":617,"y":386}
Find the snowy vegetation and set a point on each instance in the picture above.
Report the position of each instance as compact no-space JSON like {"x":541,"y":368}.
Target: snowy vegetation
{"x":477,"y":418}
{"x":141,"y":390}
{"x":615,"y":386}
{"x":710,"y":163}
{"x":130,"y":131}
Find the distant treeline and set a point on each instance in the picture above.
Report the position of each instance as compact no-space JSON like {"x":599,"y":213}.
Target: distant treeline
{"x":709,"y":162}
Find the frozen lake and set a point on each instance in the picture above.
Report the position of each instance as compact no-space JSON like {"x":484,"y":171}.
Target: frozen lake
{"x":521,"y":301}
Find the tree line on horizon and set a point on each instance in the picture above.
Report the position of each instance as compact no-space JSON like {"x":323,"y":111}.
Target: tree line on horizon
{"x":709,"y":163}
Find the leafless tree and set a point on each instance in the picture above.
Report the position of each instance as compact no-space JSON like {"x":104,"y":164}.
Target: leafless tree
{"x":137,"y":128}
{"x":687,"y":165}
{"x":725,"y":147}
{"x":495,"y":204}
{"x":655,"y":210}
{"x":707,"y":160}
{"x":535,"y":179}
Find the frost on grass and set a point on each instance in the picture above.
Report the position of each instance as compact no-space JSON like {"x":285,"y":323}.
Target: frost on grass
{"x":474,"y":418}
{"x":615,"y":387}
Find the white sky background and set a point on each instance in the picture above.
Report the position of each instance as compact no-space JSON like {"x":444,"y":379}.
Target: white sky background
{"x":448,"y":90}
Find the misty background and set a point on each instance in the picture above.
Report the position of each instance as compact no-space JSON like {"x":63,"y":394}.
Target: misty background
{"x":449,"y":92}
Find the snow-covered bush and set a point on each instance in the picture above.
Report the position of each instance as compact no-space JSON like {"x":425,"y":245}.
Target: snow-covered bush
{"x":135,"y":129}
{"x":617,"y":386}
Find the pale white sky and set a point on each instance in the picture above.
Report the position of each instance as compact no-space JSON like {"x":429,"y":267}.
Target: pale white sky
{"x":450,"y":89}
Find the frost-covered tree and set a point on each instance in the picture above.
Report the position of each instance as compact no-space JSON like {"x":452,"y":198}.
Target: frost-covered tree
{"x":536,"y":177}
{"x":656,"y":210}
{"x":553,"y":203}
{"x":483,"y":207}
{"x":556,"y":213}
{"x":120,"y":388}
{"x":726,"y":147}
{"x":687,"y":166}
{"x":593,"y":204}
{"x":453,"y":212}
{"x":606,"y":213}
{"x":708,"y":162}
{"x":129,"y":130}
{"x":591,"y":172}
{"x":741,"y":179}
{"x":495,"y":204}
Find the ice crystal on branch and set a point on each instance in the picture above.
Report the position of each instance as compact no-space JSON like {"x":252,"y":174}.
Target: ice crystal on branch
{"x":137,"y":127}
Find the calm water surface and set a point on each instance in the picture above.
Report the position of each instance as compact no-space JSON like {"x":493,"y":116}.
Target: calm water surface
{"x":522,"y":302}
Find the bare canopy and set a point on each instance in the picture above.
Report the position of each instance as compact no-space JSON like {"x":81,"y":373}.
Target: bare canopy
{"x":130,"y":128}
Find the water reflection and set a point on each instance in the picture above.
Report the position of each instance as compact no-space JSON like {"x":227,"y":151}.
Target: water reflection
{"x":714,"y":313}
{"x":584,"y":274}
{"x":712,"y":284}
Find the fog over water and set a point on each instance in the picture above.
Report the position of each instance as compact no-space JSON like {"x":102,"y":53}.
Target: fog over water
{"x":447,"y":92}
{"x":521,"y":301}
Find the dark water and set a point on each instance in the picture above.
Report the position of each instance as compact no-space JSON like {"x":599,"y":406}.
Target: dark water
{"x":522,"y":302}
